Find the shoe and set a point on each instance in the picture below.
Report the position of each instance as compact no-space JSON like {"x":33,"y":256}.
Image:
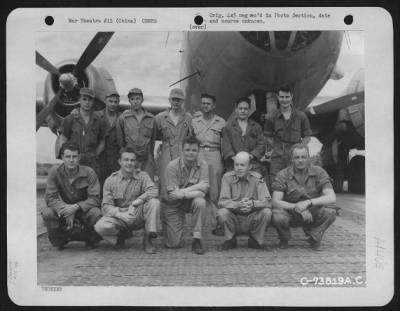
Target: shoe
{"x":218,"y":230}
{"x":147,"y":244}
{"x":228,"y":244}
{"x":315,"y":245}
{"x":252,"y":243}
{"x":120,"y":243}
{"x":283,"y":244}
{"x":197,"y":248}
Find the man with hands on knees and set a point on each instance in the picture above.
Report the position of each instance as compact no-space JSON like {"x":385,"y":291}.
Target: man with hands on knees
{"x":186,"y":185}
{"x":129,"y":203}
{"x":73,"y":200}
{"x":300,"y":194}
{"x":244,"y":205}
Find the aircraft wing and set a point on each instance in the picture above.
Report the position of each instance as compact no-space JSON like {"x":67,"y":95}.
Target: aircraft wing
{"x":337,"y":104}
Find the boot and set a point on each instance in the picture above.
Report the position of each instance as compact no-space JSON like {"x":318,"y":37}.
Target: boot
{"x":147,"y":243}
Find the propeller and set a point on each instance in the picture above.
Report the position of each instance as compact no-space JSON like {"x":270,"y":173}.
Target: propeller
{"x":337,"y":103}
{"x":42,"y":62}
{"x":93,"y":49}
{"x":68,"y":80}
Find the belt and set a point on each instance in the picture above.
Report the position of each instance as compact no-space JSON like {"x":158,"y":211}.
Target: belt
{"x":210,"y":148}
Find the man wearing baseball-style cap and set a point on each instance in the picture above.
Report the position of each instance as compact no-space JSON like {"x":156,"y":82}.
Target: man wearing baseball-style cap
{"x":172,"y":126}
{"x":86,"y":129}
{"x":136,"y":129}
{"x":109,"y":157}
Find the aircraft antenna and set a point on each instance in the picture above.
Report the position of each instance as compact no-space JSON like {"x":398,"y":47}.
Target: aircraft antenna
{"x":187,"y":77}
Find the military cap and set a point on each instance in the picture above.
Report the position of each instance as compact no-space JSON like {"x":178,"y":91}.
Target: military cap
{"x":176,"y":93}
{"x":135,"y":90}
{"x":86,"y":91}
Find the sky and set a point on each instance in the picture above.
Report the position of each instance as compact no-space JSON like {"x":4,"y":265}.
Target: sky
{"x":130,"y":57}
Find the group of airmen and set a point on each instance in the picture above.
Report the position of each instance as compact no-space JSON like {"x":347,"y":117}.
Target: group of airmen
{"x":104,"y":188}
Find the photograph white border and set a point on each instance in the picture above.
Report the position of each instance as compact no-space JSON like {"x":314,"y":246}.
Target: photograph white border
{"x":22,"y":24}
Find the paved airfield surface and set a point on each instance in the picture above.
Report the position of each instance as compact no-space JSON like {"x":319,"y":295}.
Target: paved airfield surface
{"x":341,"y":259}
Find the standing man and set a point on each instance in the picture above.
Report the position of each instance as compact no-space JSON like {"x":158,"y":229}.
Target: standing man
{"x":73,"y":200}
{"x":136,"y":128}
{"x":243,"y":134}
{"x":110,"y":155}
{"x":208,"y":130}
{"x":300,"y":193}
{"x":173,"y":125}
{"x":186,"y":187}
{"x":286,"y":127}
{"x":245,"y":205}
{"x":86,"y":129}
{"x":129,"y":203}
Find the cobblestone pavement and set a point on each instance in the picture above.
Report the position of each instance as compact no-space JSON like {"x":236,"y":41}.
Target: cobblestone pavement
{"x":342,"y":256}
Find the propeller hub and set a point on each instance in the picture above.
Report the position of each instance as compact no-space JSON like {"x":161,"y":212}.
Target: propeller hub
{"x":68,"y":81}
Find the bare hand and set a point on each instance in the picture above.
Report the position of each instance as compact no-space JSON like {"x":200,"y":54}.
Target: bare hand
{"x":302,"y":206}
{"x":68,"y":210}
{"x":176,"y":195}
{"x":126,"y":217}
{"x":247,"y":208}
{"x":70,"y":221}
{"x":307,"y":217}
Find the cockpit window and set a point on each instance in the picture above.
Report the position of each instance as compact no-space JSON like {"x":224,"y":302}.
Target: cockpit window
{"x":281,"y":40}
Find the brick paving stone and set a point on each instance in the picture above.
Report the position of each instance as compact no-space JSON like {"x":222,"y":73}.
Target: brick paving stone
{"x":343,"y":255}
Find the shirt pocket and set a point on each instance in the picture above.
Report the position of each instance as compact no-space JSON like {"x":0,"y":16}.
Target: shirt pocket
{"x":215,"y":135}
{"x":147,"y":130}
{"x":166,"y":133}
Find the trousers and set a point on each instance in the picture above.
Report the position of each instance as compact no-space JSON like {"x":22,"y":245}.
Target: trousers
{"x":174,"y":216}
{"x":82,"y":230}
{"x":284,"y":219}
{"x":254,"y":224}
{"x":146,"y":216}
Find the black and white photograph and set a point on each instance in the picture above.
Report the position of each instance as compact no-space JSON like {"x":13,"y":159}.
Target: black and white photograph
{"x":196,"y":159}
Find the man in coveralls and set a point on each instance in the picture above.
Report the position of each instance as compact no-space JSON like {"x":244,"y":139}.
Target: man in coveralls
{"x":73,"y":200}
{"x":172,"y":126}
{"x":300,"y":194}
{"x":187,"y":184}
{"x":86,"y":129}
{"x":283,"y":129}
{"x":129,"y":203}
{"x":245,"y":205}
{"x":243,"y":134}
{"x":136,"y":128}
{"x":207,"y":128}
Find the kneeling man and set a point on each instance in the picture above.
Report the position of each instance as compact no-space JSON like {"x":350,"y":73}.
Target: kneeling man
{"x":186,"y":184}
{"x":244,"y":205}
{"x":129,"y":203}
{"x":73,"y":201}
{"x":300,"y":192}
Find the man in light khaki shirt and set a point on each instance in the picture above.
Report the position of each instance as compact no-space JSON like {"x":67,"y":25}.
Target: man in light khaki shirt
{"x":207,"y":128}
{"x":129,"y":203}
{"x":245,"y":205}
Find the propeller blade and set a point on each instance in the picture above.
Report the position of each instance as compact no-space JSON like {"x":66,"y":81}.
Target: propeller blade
{"x":45,"y":64}
{"x":42,"y":115}
{"x":337,"y":103}
{"x":92,"y":50}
